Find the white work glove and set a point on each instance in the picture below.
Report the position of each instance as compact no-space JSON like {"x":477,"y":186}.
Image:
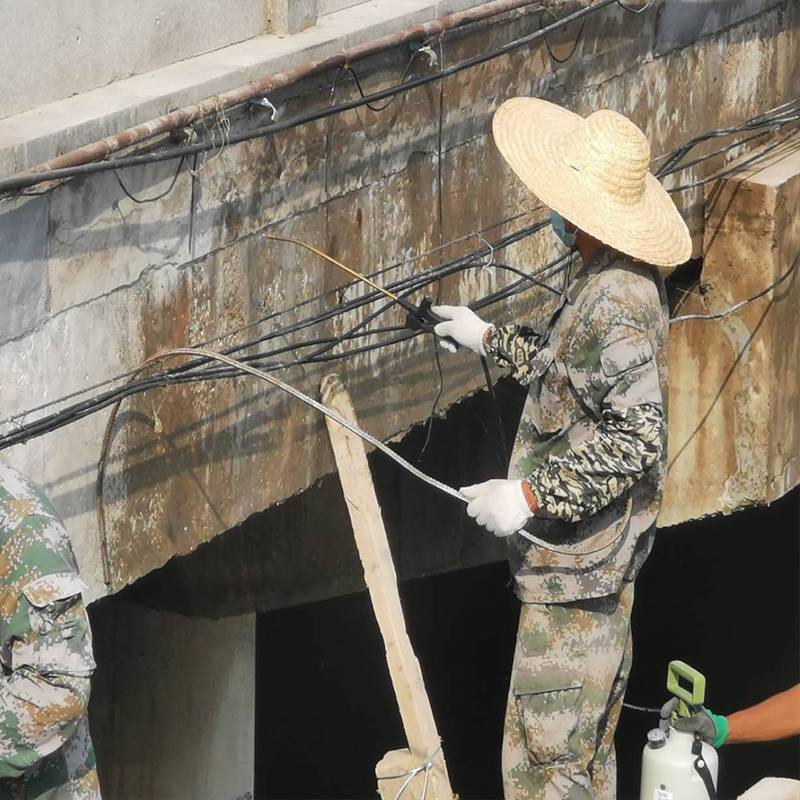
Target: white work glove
{"x":498,"y":505}
{"x":463,"y":325}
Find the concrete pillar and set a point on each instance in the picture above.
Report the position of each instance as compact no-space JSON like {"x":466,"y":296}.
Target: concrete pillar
{"x":286,"y":17}
{"x":735,"y":383}
{"x":172,"y":709}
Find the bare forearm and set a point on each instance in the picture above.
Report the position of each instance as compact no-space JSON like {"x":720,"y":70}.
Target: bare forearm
{"x":776,"y":718}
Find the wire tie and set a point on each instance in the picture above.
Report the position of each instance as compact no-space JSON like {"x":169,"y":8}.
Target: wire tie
{"x":490,"y":262}
{"x":433,"y":59}
{"x":264,"y":102}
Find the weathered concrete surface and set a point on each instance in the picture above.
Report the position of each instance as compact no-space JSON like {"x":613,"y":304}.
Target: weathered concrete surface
{"x":735,"y":384}
{"x":287,"y":17}
{"x":773,"y":789}
{"x":23,"y":266}
{"x":90,"y":43}
{"x":172,"y":709}
{"x":48,"y":129}
{"x":302,"y":550}
{"x":124,"y":281}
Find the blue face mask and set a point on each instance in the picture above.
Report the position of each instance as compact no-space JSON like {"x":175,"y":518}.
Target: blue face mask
{"x":560,"y":229}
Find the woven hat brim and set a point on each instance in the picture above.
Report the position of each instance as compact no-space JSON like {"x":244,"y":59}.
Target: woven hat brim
{"x":533,"y":137}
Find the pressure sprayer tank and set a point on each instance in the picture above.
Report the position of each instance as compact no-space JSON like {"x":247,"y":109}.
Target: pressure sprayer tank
{"x":676,"y":766}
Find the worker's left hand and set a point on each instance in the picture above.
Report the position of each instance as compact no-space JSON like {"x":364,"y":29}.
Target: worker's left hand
{"x":711,"y":728}
{"x":498,"y":505}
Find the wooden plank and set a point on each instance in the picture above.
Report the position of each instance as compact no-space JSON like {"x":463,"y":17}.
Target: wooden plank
{"x":379,"y":573}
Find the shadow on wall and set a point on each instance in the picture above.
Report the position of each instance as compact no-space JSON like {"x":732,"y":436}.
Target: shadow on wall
{"x":722,"y":594}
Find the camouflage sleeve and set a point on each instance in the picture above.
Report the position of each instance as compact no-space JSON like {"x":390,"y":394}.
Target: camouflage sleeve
{"x":46,"y":645}
{"x":595,"y":472}
{"x":37,"y":717}
{"x":514,"y":346}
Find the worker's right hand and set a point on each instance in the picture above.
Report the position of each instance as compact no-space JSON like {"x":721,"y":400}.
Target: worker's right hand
{"x":462,"y":324}
{"x":711,"y":728}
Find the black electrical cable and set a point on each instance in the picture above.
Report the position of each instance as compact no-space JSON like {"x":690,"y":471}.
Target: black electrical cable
{"x":501,"y":428}
{"x":408,"y":285}
{"x":576,"y":44}
{"x":436,"y":399}
{"x":439,"y":148}
{"x":636,"y":10}
{"x":143,"y":200}
{"x":780,"y":115}
{"x":175,"y":376}
{"x":764,"y":119}
{"x":734,"y":308}
{"x":784,"y":112}
{"x":646,"y":709}
{"x":736,"y":168}
{"x":343,"y":307}
{"x":357,"y":80}
{"x":721,"y":151}
{"x":32,"y":179}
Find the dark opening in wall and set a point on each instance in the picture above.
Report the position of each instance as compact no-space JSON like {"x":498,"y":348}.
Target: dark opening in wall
{"x":682,"y":281}
{"x":722,"y":594}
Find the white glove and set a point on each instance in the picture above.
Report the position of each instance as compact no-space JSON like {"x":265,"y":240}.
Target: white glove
{"x":498,"y":505}
{"x":463,"y":325}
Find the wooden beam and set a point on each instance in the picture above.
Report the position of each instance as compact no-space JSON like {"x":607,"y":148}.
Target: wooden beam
{"x":379,"y":573}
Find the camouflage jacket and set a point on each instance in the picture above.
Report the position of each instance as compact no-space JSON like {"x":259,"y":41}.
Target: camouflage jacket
{"x":592,"y":438}
{"x":45,"y":640}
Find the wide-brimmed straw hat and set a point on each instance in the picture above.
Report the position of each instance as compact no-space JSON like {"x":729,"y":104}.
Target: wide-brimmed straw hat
{"x":594,"y":172}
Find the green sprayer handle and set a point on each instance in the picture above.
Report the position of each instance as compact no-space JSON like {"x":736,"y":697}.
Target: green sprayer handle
{"x":677,"y":670}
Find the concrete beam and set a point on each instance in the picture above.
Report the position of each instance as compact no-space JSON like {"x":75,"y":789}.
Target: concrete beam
{"x":735,"y":383}
{"x":54,"y":126}
{"x":124,"y":280}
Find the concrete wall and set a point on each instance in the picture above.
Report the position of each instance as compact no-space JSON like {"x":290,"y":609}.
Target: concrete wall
{"x":172,"y":709}
{"x":48,"y":129}
{"x":89,"y":43}
{"x":738,"y":425}
{"x":98,"y":282}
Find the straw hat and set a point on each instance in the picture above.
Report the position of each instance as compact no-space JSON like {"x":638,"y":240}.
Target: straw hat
{"x":594,"y":172}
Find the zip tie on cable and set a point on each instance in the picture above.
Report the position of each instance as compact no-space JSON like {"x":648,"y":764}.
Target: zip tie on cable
{"x":433,"y":58}
{"x":490,"y":257}
{"x":264,"y":102}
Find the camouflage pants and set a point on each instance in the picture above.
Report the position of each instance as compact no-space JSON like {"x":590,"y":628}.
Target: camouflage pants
{"x":571,"y":666}
{"x":46,"y":751}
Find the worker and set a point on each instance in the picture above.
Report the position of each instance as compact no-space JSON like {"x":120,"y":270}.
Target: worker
{"x":46,"y":653}
{"x":589,"y":462}
{"x":777,"y":717}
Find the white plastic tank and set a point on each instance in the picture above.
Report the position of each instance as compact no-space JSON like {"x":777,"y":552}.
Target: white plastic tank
{"x":668,"y":771}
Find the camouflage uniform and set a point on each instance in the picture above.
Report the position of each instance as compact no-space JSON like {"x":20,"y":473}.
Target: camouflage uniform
{"x":592,"y":443}
{"x":46,"y":653}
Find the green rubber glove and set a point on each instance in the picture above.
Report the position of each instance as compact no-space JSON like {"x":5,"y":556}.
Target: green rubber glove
{"x":711,"y":728}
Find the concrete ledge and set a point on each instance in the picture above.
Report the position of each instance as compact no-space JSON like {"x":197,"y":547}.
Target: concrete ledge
{"x":89,"y":43}
{"x":35,"y":136}
{"x":773,"y":789}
